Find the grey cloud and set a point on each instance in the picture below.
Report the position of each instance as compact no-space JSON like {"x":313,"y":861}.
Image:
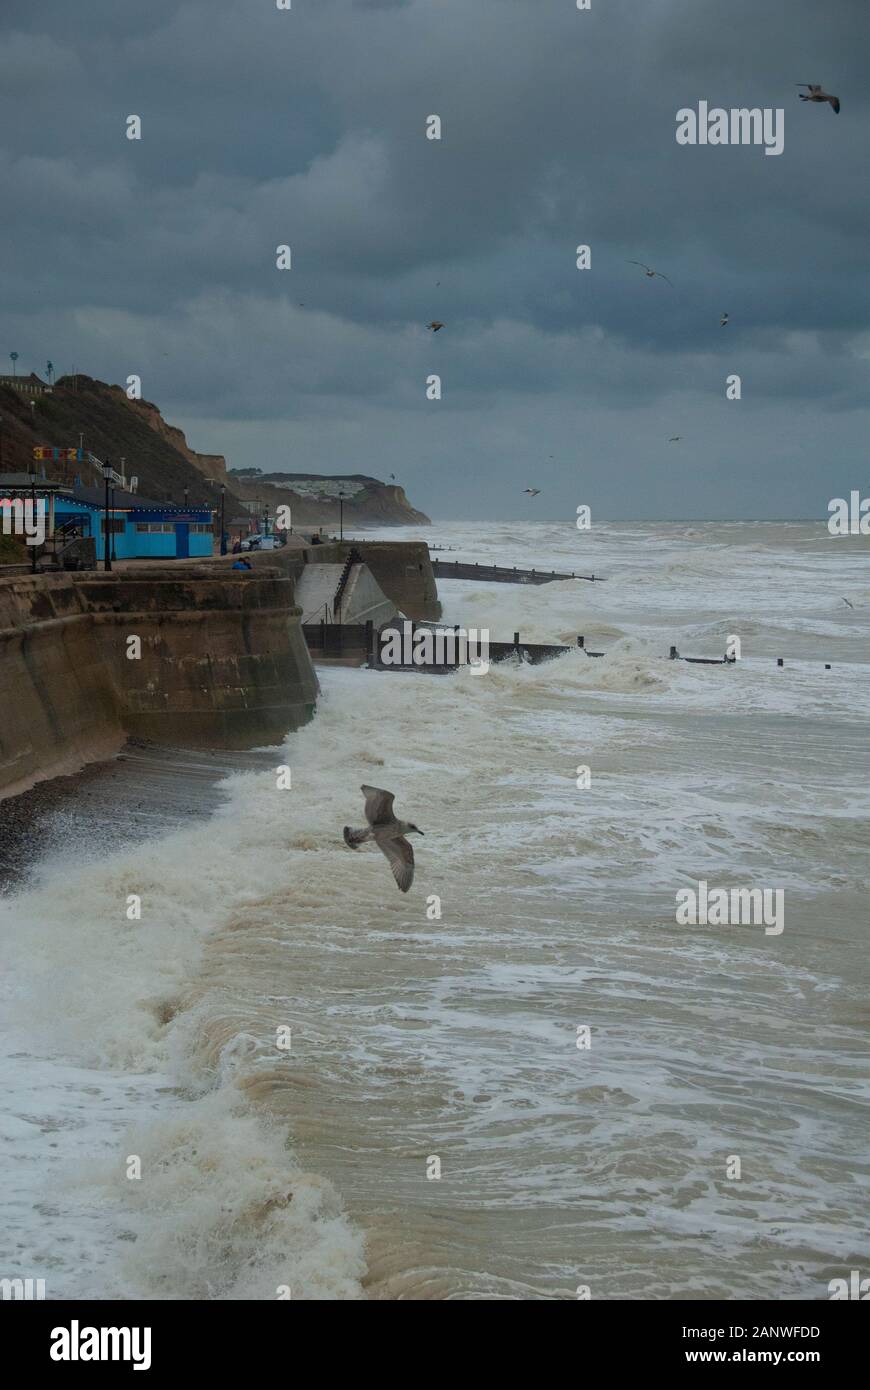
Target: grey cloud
{"x":262,"y":127}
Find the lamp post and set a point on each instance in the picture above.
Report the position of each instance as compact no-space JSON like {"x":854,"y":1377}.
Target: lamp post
{"x":107,"y":560}
{"x":114,"y":556}
{"x":223,"y":532}
{"x":33,"y":516}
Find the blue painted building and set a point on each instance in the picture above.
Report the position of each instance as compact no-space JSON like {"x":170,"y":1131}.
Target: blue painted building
{"x":140,"y":529}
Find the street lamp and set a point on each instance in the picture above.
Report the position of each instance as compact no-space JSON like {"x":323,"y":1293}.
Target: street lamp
{"x":33,"y":517}
{"x":14,"y":356}
{"x":223,"y":532}
{"x":107,"y":560}
{"x":114,"y":556}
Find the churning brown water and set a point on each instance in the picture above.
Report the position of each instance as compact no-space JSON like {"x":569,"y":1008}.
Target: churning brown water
{"x":420,"y":1041}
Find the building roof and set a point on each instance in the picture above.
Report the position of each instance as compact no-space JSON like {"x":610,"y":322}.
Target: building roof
{"x":16,"y":480}
{"x":132,"y":501}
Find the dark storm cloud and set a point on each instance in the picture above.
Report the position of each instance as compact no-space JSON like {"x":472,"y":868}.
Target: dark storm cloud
{"x":306,"y":126}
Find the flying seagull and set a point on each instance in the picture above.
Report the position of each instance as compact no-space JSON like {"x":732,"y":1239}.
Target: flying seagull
{"x":848,"y":604}
{"x":649,"y":272}
{"x":815,"y":93}
{"x":532,"y":491}
{"x":388,"y":834}
{"x":723,"y":320}
{"x":675,"y":439}
{"x":393,"y":476}
{"x":434,"y":325}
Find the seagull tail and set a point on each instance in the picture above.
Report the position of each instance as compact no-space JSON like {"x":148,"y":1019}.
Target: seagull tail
{"x":355,"y":838}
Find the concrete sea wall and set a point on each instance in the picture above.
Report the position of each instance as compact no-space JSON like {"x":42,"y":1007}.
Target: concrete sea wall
{"x":402,"y":569}
{"x":222,"y":663}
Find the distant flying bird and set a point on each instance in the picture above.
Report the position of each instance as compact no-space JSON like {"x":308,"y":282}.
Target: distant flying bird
{"x":649,"y":272}
{"x":815,"y":93}
{"x":848,"y":604}
{"x":388,"y":834}
{"x":393,"y":476}
{"x":723,"y":320}
{"x":532,"y":491}
{"x":675,"y":439}
{"x":434,"y":325}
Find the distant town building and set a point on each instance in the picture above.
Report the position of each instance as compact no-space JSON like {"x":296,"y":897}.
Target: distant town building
{"x":27,"y":385}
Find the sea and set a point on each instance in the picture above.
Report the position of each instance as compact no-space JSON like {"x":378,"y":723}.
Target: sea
{"x":239,"y":1064}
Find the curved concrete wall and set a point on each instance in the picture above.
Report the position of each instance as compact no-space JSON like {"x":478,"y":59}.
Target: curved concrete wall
{"x":223,"y":663}
{"x":402,"y":569}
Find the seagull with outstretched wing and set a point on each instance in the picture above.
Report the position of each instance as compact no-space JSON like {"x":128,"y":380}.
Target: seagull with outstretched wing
{"x":388,"y":834}
{"x":649,"y":272}
{"x":815,"y":93}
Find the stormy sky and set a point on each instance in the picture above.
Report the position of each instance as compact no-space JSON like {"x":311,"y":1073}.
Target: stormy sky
{"x":307,"y":127}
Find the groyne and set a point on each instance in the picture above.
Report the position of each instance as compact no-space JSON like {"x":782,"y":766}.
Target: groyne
{"x":500,"y":574}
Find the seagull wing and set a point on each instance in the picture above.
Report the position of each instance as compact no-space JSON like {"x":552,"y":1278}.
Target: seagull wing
{"x":835,"y":102}
{"x":640,"y":263}
{"x":401,"y":857}
{"x":663,"y":277}
{"x":379,"y":805}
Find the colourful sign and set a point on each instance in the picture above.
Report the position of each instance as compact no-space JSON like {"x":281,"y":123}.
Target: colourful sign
{"x":44,"y":451}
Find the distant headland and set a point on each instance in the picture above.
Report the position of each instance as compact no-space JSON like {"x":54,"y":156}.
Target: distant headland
{"x":78,"y":410}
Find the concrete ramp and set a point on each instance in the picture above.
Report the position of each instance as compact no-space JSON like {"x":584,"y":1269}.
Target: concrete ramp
{"x":315,"y":591}
{"x":361,"y":598}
